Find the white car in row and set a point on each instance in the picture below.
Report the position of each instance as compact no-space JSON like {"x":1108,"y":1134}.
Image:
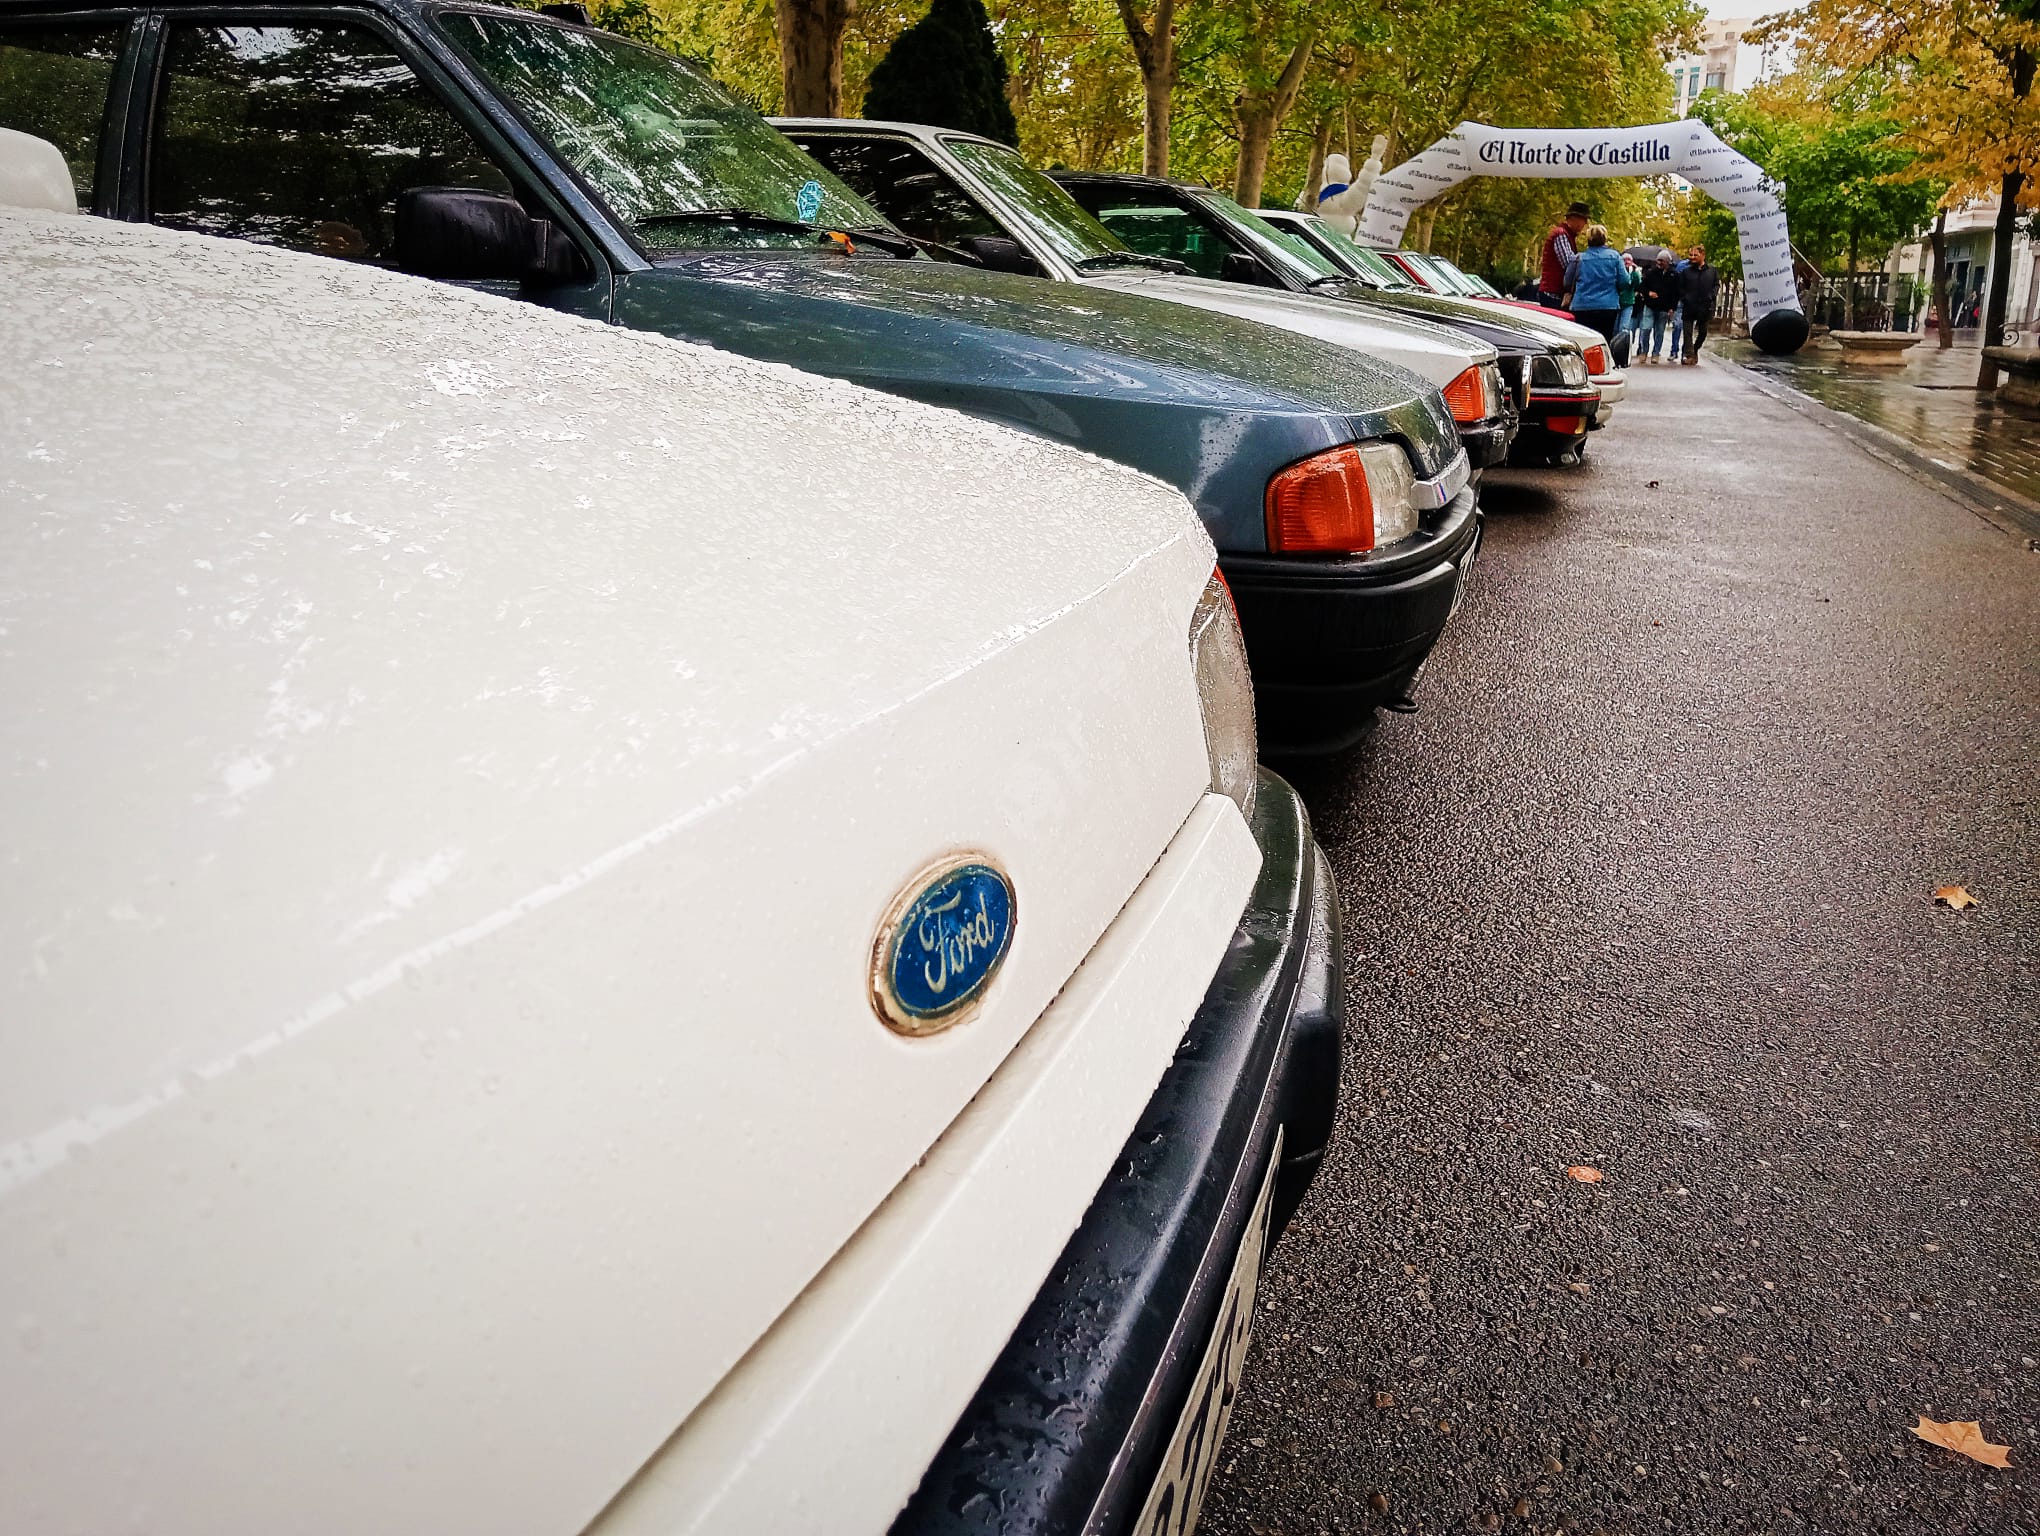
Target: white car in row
{"x":607,"y":937}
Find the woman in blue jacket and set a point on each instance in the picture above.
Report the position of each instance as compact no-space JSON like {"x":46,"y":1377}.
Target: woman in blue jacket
{"x":1596,"y":280}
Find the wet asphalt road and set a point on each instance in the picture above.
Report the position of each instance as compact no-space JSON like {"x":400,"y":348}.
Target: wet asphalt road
{"x":1645,"y":886}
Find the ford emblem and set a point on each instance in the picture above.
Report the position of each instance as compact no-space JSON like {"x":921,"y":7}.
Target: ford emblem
{"x":941,"y":944}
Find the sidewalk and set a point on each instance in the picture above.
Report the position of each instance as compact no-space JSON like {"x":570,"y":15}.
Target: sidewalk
{"x":1931,"y":405}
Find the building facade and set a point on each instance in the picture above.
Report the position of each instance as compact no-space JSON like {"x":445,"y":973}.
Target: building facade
{"x":1713,"y":68}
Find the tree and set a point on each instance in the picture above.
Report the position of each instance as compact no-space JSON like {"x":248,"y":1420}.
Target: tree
{"x":811,"y":54}
{"x":1852,"y":185}
{"x":946,"y":70}
{"x":1959,"y":75}
{"x":1154,"y":48}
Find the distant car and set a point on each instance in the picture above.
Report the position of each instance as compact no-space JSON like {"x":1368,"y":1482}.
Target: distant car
{"x":587,"y":173}
{"x":969,"y":198}
{"x":1441,"y":276}
{"x":1558,"y":409}
{"x":611,"y":933}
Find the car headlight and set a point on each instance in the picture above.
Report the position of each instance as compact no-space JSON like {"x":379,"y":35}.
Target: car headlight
{"x":1346,"y":500}
{"x":1225,"y":692}
{"x":1572,"y":368}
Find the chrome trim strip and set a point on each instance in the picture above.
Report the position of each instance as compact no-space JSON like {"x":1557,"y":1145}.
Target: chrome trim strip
{"x":1430,"y":495}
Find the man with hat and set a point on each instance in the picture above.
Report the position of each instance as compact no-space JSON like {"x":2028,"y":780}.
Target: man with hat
{"x":1558,"y":256}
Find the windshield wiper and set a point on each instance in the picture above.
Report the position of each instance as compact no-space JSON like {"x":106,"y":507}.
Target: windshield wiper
{"x":886,"y":239}
{"x":1129,"y":259}
{"x":743,"y":216}
{"x":1330,"y":278}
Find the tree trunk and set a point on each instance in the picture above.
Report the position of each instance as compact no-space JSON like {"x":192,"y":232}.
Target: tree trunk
{"x":1320,"y":146}
{"x":1995,"y":303}
{"x":1154,"y":49}
{"x":1937,"y":238}
{"x":811,"y":55}
{"x":1259,"y":112}
{"x":1849,"y":288}
{"x":1426,"y":221}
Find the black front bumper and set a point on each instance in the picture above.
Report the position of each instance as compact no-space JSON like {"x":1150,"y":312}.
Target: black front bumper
{"x":1068,"y":1431}
{"x":1329,"y":637}
{"x":1554,"y":422}
{"x":1487,"y":442}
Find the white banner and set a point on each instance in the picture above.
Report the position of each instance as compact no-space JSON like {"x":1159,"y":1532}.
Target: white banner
{"x":1687,"y":148}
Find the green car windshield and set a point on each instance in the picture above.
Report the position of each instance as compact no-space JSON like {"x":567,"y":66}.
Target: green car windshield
{"x":1449,"y":279}
{"x":681,"y":161}
{"x":1369,"y":266}
{"x":1291,"y":254}
{"x":1050,"y":211}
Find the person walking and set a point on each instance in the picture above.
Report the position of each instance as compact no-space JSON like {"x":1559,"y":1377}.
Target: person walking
{"x":1560,"y":247}
{"x":1660,"y":293}
{"x":1595,"y":279}
{"x":1631,"y":293}
{"x":1698,"y":285}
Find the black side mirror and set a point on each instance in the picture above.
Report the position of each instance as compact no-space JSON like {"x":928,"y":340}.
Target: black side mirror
{"x":463,"y":233}
{"x":1239,"y":267}
{"x":996,"y":253}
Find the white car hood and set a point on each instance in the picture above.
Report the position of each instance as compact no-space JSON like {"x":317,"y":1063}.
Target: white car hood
{"x":1434,"y":353}
{"x":457,"y":759}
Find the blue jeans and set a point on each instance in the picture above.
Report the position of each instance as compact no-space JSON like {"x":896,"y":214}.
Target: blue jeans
{"x":1656,"y":324}
{"x":1678,"y":328}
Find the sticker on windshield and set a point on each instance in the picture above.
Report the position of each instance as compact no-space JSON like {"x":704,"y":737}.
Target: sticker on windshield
{"x":807,"y":202}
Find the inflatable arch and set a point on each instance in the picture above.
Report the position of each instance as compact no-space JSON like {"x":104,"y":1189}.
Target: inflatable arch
{"x":1687,"y":148}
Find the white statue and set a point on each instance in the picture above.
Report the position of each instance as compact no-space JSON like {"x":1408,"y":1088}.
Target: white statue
{"x":1343,"y":197}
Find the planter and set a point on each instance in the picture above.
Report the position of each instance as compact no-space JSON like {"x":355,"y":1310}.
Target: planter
{"x":1875,"y":349}
{"x":2021,"y":383}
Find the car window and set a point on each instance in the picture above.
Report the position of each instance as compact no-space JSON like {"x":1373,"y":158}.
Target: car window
{"x":899,"y":180}
{"x":1051,"y":213}
{"x":678,"y":158}
{"x":53,"y":84}
{"x":1338,"y":246}
{"x":1156,"y":228}
{"x":1284,"y":252}
{"x":302,"y":137}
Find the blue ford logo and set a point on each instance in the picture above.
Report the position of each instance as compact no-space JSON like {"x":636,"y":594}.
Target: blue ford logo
{"x":945,"y":939}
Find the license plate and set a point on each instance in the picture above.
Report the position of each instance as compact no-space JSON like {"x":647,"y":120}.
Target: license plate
{"x":1178,"y":1495}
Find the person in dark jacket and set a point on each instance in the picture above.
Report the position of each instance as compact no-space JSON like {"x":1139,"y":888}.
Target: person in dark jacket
{"x":1698,"y":285}
{"x":1660,"y":298}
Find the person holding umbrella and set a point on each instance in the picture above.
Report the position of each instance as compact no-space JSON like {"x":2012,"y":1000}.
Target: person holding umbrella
{"x":1660,"y":294}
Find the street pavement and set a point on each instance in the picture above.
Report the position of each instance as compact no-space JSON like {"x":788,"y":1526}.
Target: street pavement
{"x":1645,"y":887}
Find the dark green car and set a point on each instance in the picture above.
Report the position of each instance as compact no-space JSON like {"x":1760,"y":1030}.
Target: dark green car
{"x":539,"y":158}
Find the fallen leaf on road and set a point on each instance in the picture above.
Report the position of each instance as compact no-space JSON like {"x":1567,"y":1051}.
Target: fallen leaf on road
{"x":1650,"y":485}
{"x":1584,"y":1175}
{"x":1965,"y":1438}
{"x":1954,"y":896}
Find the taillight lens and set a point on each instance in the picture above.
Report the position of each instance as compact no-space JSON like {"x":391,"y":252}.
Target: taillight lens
{"x":1225,"y":693}
{"x":1597,"y":360}
{"x":1346,"y":500}
{"x":1467,"y":395}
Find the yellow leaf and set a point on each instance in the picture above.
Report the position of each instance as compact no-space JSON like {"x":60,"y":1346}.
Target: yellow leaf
{"x":1954,"y":896}
{"x":1584,"y":1175}
{"x":1965,"y":1438}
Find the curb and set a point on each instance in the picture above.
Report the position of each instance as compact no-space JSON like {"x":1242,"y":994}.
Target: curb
{"x":2003,"y":509}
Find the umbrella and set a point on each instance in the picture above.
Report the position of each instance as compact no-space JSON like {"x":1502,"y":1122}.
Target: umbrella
{"x":1645,"y":254}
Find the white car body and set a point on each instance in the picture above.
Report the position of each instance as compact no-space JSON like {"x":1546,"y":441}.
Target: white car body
{"x":458,"y":758}
{"x":1434,"y":353}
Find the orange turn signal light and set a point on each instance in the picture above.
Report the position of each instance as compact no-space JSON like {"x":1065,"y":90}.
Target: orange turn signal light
{"x":1565,"y":426}
{"x":1597,"y":360}
{"x":1321,"y":505}
{"x":1467,"y":396}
